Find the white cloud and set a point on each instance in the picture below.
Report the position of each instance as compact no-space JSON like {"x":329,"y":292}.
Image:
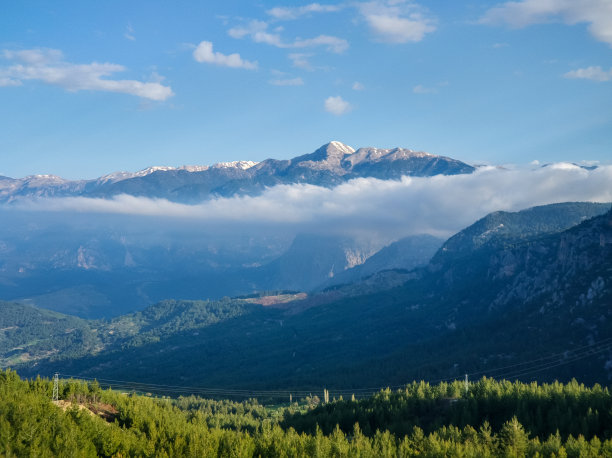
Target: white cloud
{"x":596,"y":13}
{"x":287,"y":13}
{"x":439,"y":205}
{"x":397,"y":21}
{"x":49,"y":66}
{"x":204,"y":54}
{"x":258,"y":32}
{"x":357,"y":86}
{"x":287,"y":82}
{"x":337,"y":105}
{"x":590,"y":73}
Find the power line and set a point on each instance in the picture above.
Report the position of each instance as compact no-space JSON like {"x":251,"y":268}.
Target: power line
{"x":508,"y":371}
{"x":607,"y":342}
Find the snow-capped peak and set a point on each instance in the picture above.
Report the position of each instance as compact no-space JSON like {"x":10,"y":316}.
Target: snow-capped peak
{"x":150,"y":170}
{"x":44,"y":179}
{"x":120,"y":176}
{"x":243,"y":165}
{"x":193,"y":168}
{"x":342,"y":147}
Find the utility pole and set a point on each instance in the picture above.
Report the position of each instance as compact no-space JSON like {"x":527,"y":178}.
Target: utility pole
{"x":466,"y":384}
{"x":56,"y":387}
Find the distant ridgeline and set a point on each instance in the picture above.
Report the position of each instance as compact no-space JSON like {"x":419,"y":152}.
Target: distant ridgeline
{"x":486,"y":418}
{"x":330,"y":165}
{"x":516,"y":295}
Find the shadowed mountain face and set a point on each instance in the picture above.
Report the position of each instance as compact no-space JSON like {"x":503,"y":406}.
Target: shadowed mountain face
{"x":524,"y":303}
{"x":330,"y":165}
{"x":508,"y":227}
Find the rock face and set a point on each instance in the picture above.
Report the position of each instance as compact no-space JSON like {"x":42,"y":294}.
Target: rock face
{"x":310,"y":261}
{"x":330,"y":165}
{"x":566,"y":273}
{"x":405,"y":254}
{"x":557,"y":281}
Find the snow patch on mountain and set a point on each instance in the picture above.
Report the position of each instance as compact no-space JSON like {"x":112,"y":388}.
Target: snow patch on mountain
{"x":346,"y":149}
{"x":120,"y":176}
{"x":243,"y":165}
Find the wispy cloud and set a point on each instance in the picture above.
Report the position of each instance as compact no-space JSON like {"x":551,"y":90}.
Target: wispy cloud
{"x":357,"y":86}
{"x":336,"y":105}
{"x":300,"y":60}
{"x":287,"y":82}
{"x":440,"y":205}
{"x":288,"y":13}
{"x":331,"y":43}
{"x":590,"y":73}
{"x":48,"y":66}
{"x":420,"y":89}
{"x":397,"y":21}
{"x":129,"y":33}
{"x":258,"y":32}
{"x":204,"y":53}
{"x":596,"y":13}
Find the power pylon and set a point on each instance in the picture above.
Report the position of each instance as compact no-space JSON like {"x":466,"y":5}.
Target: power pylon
{"x":56,"y":387}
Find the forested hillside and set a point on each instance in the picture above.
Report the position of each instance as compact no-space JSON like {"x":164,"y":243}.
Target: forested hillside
{"x":489,"y":419}
{"x":534,"y":308}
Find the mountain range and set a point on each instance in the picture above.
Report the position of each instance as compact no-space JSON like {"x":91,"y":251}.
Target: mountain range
{"x":528,"y":300}
{"x":330,"y":165}
{"x":101,"y":265}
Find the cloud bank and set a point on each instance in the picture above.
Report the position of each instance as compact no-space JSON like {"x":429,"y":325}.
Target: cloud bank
{"x":440,"y":205}
{"x":49,"y":66}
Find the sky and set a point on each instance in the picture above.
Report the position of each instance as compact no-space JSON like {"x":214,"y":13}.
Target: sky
{"x":89,"y":88}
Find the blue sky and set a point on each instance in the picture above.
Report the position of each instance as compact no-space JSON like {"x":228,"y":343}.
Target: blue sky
{"x":88,"y":88}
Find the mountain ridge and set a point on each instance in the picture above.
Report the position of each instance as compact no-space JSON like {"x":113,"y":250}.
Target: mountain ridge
{"x":330,"y":165}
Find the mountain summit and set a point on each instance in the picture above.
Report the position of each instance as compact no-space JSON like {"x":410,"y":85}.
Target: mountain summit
{"x":327,"y":157}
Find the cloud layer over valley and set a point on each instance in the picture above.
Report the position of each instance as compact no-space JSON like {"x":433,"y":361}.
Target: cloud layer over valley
{"x":386,"y":210}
